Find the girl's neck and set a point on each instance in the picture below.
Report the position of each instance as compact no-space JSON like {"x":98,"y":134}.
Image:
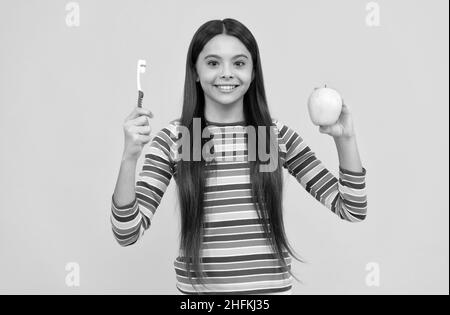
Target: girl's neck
{"x":220,"y":113}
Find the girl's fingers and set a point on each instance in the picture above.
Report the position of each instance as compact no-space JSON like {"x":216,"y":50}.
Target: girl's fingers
{"x":144,"y":139}
{"x":144,"y":130}
{"x":140,"y":130}
{"x":140,"y":121}
{"x":345,"y":107}
{"x":139,"y":111}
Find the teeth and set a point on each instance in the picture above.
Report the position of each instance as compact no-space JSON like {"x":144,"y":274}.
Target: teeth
{"x":226,"y":87}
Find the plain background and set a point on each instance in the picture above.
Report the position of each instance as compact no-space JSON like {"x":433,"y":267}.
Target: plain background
{"x":65,"y":91}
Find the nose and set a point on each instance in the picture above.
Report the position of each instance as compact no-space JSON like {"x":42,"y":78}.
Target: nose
{"x":226,"y":73}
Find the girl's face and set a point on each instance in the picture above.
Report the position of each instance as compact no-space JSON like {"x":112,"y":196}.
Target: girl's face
{"x":225,"y":70}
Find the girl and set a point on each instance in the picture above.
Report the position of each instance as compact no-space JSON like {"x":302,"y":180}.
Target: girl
{"x":232,"y":234}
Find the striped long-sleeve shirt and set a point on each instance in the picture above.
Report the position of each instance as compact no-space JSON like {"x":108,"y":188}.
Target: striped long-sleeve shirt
{"x":235,"y":253}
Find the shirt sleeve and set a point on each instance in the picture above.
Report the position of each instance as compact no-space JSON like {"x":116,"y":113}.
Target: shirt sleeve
{"x":129,"y":222}
{"x":345,"y":196}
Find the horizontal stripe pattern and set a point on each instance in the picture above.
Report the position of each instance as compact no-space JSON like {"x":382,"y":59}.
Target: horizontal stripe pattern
{"x":345,"y":196}
{"x":236,"y":254}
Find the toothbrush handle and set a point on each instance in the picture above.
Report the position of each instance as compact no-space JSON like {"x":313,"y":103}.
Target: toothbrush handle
{"x":140,"y":97}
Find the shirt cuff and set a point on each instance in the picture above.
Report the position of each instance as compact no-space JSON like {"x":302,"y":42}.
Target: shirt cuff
{"x":128,"y":206}
{"x":347,"y":172}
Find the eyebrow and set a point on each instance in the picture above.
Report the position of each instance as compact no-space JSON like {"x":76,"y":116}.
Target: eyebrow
{"x":218,"y":57}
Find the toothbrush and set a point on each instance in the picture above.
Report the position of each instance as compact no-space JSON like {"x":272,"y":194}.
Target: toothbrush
{"x":141,"y":64}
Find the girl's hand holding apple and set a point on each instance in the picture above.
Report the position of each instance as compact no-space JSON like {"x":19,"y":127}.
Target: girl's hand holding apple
{"x":328,"y":110}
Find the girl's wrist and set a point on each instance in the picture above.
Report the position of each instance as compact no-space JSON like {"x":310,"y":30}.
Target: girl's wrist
{"x":347,"y":138}
{"x":129,"y":159}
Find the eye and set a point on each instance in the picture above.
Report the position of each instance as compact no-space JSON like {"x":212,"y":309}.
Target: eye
{"x":212,"y":63}
{"x":241,"y":63}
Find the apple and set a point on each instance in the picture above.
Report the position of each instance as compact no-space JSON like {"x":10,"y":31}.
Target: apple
{"x":324,"y":106}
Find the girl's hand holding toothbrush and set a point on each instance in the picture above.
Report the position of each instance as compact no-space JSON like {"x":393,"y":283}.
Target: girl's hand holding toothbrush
{"x":137,"y":129}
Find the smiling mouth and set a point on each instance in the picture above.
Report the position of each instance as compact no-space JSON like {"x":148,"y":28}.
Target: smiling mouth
{"x":226,"y":88}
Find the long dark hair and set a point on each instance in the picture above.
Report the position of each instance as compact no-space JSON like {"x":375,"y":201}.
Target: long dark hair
{"x":267,"y":187}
